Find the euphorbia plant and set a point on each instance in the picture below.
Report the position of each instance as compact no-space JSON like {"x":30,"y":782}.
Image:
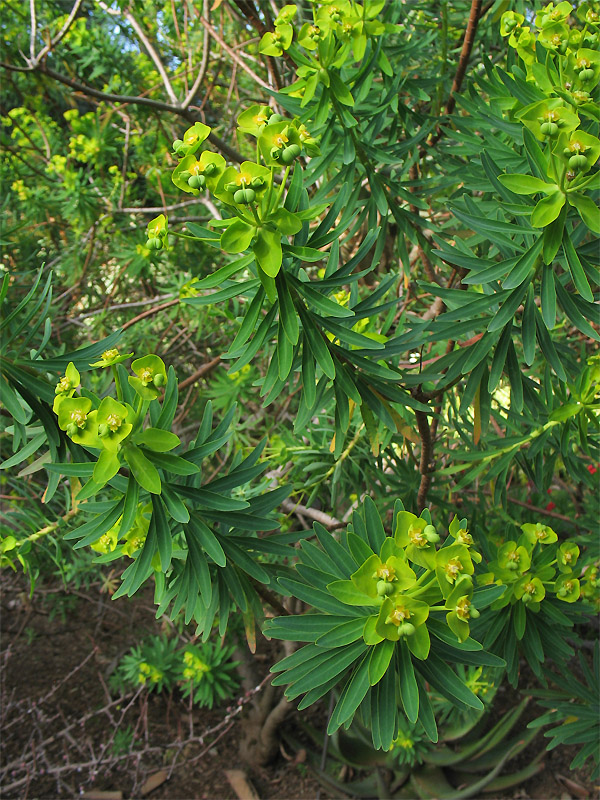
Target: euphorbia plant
{"x":346,"y":164}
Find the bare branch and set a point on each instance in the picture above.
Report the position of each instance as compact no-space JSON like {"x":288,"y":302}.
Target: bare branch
{"x":232,"y":52}
{"x":157,"y":105}
{"x":61,"y":34}
{"x":203,"y":64}
{"x":33,"y":32}
{"x":148,"y":45}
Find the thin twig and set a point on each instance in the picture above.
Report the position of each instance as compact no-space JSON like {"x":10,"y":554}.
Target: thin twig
{"x":203,"y":370}
{"x":465,"y":54}
{"x":203,"y":64}
{"x":60,"y":35}
{"x":232,"y":53}
{"x":150,"y":312}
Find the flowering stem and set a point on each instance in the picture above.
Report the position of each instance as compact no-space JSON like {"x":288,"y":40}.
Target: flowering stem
{"x":425,"y":587}
{"x":255,"y":215}
{"x":270,"y":192}
{"x":282,"y":187}
{"x":115,"y":373}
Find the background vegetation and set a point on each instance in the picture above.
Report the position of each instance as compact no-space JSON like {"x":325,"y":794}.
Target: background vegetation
{"x":393,"y":336}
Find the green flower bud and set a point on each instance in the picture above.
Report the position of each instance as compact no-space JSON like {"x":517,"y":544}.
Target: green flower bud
{"x":257,"y":183}
{"x":231,"y":187}
{"x":197,"y":181}
{"x":578,"y":162}
{"x":276,"y":153}
{"x":154,"y":243}
{"x":275,"y":118}
{"x":72,"y":429}
{"x":209,"y":169}
{"x":473,"y":612}
{"x":158,"y":380}
{"x":185,"y":175}
{"x":510,"y":24}
{"x":177,"y":144}
{"x":103,"y":430}
{"x":384,"y":588}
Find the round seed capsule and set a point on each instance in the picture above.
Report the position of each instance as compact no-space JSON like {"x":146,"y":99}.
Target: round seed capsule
{"x":244,"y":196}
{"x":384,"y":588}
{"x":406,"y":629}
{"x":549,"y":128}
{"x":197,"y":181}
{"x":578,"y":162}
{"x":290,"y":153}
{"x":158,"y":380}
{"x":154,"y":243}
{"x":586,"y":74}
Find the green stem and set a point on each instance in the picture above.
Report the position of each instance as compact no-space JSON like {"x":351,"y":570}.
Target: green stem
{"x":281,"y":188}
{"x":270,"y":192}
{"x":255,"y":215}
{"x":425,"y":587}
{"x":117,"y":378}
{"x":576,"y":187}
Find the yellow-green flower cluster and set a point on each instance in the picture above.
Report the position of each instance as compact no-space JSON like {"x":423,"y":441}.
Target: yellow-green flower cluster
{"x":529,"y":568}
{"x":335,"y":23}
{"x":387,"y":581}
{"x":252,"y":195}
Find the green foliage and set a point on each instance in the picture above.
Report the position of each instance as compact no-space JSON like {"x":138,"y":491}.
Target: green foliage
{"x":383,"y":629}
{"x":157,"y":663}
{"x":400,"y":298}
{"x":414,"y":767}
{"x":574,"y":713}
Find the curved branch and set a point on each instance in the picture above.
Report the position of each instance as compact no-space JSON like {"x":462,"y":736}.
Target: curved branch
{"x":232,"y":52}
{"x":157,"y":105}
{"x":465,"y":54}
{"x":61,"y":34}
{"x":147,"y":44}
{"x":203,"y":64}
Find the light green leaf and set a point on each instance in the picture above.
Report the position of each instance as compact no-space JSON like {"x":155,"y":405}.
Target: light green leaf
{"x":347,"y":593}
{"x":526,"y":184}
{"x":237,"y":237}
{"x":143,"y":470}
{"x":285,"y":222}
{"x":547,"y":210}
{"x":588,"y":211}
{"x":267,"y":250}
{"x":107,"y":466}
{"x":158,"y":440}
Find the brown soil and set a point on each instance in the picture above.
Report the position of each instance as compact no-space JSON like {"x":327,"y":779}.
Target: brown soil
{"x":59,"y":720}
